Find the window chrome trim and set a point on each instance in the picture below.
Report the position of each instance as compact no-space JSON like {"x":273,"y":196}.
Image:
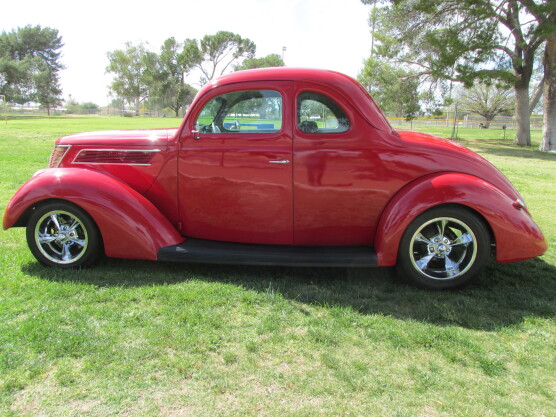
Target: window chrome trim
{"x":113,"y":150}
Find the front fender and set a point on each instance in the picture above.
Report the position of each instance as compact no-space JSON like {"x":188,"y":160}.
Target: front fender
{"x":130,"y":225}
{"x":516,"y":235}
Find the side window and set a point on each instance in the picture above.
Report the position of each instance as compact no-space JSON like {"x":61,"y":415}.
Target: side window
{"x":319,"y":114}
{"x":250,"y":111}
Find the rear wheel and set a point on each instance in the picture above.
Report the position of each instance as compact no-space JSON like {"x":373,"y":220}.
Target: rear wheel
{"x":62,"y":235}
{"x":445,"y":247}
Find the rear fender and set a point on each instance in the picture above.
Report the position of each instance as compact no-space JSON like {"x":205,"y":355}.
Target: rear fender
{"x":130,"y":225}
{"x":516,"y":235}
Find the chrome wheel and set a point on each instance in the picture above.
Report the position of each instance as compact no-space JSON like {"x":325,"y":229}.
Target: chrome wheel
{"x":63,"y":235}
{"x":443,"y":248}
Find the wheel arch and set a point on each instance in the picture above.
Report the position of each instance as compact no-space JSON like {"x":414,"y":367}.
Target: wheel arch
{"x":471,"y":210}
{"x":26,"y":215}
{"x":505,"y":222}
{"x":130,"y":225}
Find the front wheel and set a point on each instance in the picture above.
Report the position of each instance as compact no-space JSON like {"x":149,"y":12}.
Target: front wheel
{"x":62,"y":235}
{"x":445,"y":247}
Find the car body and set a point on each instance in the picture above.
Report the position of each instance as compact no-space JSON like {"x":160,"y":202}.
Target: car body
{"x":277,"y":166}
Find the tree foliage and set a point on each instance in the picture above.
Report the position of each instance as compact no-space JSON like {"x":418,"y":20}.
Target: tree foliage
{"x":214,"y":54}
{"x":272,"y":60}
{"x":487,"y":101}
{"x":170,"y":77}
{"x":73,"y":107}
{"x":468,"y":40}
{"x":144,"y":76}
{"x":394,"y":89}
{"x":30,"y":65}
{"x":133,"y":68}
{"x":47,"y":86}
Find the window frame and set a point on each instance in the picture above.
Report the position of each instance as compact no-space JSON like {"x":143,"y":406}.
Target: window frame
{"x":240,"y":89}
{"x":339,"y":106}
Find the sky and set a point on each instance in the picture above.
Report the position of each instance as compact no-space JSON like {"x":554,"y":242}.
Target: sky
{"x":329,"y":34}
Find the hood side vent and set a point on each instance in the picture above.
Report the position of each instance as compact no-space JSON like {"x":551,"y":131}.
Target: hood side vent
{"x":115,"y":156}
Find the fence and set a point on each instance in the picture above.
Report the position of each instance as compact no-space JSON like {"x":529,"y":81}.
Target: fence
{"x":154,"y":109}
{"x":466,"y":122}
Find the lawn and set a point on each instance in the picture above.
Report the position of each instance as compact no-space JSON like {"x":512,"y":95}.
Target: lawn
{"x":134,"y":338}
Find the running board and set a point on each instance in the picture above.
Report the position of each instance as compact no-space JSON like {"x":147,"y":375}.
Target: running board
{"x":208,"y":251}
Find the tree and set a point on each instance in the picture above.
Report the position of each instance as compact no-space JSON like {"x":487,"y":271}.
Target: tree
{"x":393,"y":88}
{"x":89,"y":108}
{"x":47,"y":87}
{"x":272,"y":60}
{"x":16,"y":80}
{"x":465,"y":40}
{"x":29,"y":65}
{"x":487,"y":101}
{"x":544,"y":13}
{"x":73,"y":107}
{"x":134,"y":68}
{"x":214,"y":54}
{"x":549,"y":100}
{"x":170,"y":78}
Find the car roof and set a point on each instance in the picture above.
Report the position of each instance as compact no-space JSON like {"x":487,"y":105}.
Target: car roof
{"x":283,"y":73}
{"x":352,"y":90}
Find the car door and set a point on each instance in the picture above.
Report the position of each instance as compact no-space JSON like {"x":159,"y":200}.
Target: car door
{"x":339,"y":178}
{"x":235,"y":165}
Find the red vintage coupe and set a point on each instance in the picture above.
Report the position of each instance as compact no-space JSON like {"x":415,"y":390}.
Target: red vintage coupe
{"x":277,"y":166}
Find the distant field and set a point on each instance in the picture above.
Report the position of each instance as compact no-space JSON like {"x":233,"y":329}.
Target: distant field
{"x":135,"y":338}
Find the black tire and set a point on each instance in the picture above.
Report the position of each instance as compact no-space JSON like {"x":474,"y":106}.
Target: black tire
{"x":63,"y":235}
{"x":443,"y":248}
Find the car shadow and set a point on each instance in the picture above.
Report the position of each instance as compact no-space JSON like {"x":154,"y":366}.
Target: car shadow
{"x":504,"y":295}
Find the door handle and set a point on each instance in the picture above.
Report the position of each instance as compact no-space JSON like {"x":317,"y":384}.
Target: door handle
{"x":280,"y":161}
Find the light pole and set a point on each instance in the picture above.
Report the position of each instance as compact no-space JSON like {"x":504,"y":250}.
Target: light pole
{"x":283,"y":52}
{"x":3,"y":99}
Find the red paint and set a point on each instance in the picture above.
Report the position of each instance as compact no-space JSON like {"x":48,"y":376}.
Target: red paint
{"x":227,"y":188}
{"x":516,"y":235}
{"x":130,"y":225}
{"x":359,"y":187}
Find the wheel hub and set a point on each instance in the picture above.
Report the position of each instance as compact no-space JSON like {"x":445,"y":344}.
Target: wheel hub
{"x":440,"y":247}
{"x":63,"y":236}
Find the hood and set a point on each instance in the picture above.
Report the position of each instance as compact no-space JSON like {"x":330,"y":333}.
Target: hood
{"x":145,"y":137}
{"x":449,"y":156}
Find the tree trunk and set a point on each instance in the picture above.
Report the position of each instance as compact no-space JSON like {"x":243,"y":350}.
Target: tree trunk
{"x":522,"y":115}
{"x":549,"y":93}
{"x":489,"y":117}
{"x":536,"y":96}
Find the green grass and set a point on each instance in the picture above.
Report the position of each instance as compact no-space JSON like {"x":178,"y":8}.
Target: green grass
{"x":134,"y":338}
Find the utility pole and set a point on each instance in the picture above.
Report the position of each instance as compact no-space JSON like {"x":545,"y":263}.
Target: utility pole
{"x":373,"y":30}
{"x":3,"y":99}
{"x":454,"y":131}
